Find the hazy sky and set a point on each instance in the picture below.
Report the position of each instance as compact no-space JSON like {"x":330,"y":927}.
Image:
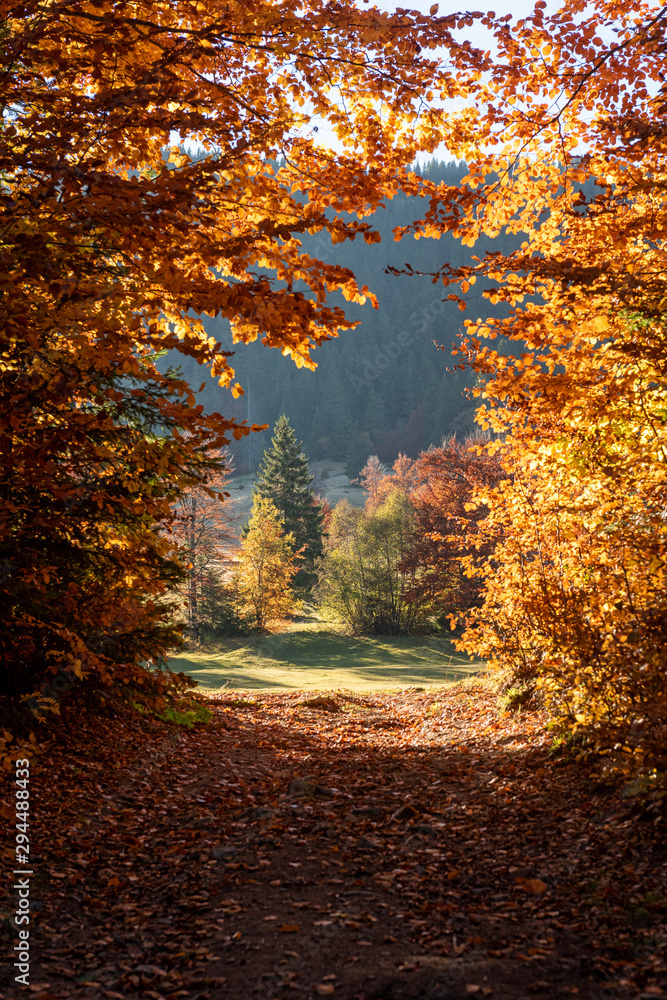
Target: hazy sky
{"x":475,"y":34}
{"x":519,"y":8}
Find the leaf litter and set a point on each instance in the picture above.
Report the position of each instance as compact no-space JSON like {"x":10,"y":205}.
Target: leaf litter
{"x":415,"y":846}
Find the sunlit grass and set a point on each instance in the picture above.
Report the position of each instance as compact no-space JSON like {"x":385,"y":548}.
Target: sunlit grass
{"x":318,"y":659}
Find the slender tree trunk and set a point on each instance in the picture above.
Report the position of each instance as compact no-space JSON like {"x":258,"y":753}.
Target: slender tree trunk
{"x":193,"y":611}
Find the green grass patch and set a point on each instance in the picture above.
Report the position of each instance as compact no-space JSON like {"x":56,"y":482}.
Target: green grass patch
{"x":321,"y":660}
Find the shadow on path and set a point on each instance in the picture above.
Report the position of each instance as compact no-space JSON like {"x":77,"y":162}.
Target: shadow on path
{"x":369,"y":847}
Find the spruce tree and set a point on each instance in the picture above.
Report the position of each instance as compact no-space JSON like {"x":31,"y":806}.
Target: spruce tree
{"x":284,"y":479}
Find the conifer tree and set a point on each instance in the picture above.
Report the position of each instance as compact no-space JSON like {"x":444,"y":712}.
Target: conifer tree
{"x":284,"y":479}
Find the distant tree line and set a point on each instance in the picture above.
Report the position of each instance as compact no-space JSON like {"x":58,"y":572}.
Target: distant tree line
{"x":391,"y":567}
{"x":396,"y":566}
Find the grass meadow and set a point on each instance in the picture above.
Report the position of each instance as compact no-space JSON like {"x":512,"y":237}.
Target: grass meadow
{"x":312,"y":657}
{"x":311,"y":654}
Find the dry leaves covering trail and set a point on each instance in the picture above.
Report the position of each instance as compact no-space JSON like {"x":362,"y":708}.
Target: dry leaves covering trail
{"x":385,"y":847}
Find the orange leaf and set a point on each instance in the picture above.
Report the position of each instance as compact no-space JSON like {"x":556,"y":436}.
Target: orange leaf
{"x":534,"y":885}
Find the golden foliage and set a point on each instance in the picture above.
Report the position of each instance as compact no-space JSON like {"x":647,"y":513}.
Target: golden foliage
{"x":266,"y":565}
{"x":114,"y":242}
{"x":571,"y":150}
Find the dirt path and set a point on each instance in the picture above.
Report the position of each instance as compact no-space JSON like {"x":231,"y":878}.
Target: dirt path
{"x":409,"y":847}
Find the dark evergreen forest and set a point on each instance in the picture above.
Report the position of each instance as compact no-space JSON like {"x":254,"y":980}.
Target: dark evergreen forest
{"x":384,"y":387}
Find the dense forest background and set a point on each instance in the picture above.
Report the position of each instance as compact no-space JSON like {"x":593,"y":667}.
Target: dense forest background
{"x":383,"y":388}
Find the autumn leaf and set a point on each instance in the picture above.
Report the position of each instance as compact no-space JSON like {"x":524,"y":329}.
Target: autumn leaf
{"x":533,"y":885}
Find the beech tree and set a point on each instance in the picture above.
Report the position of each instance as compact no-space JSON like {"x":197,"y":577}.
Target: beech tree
{"x":206,"y":527}
{"x":447,"y":480}
{"x":569,"y":147}
{"x":379,"y":484}
{"x":115,"y":241}
{"x":370,"y":479}
{"x":266,"y":566}
{"x":362,"y":580}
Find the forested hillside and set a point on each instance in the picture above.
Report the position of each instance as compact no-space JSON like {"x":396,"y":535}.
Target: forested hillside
{"x":383,"y":388}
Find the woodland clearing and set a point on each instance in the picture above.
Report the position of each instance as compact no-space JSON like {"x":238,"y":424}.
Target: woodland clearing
{"x":409,"y":846}
{"x":308,"y":654}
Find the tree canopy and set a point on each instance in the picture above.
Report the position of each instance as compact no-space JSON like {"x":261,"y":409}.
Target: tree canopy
{"x":361,"y":578}
{"x":114,"y":244}
{"x":570,"y":149}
